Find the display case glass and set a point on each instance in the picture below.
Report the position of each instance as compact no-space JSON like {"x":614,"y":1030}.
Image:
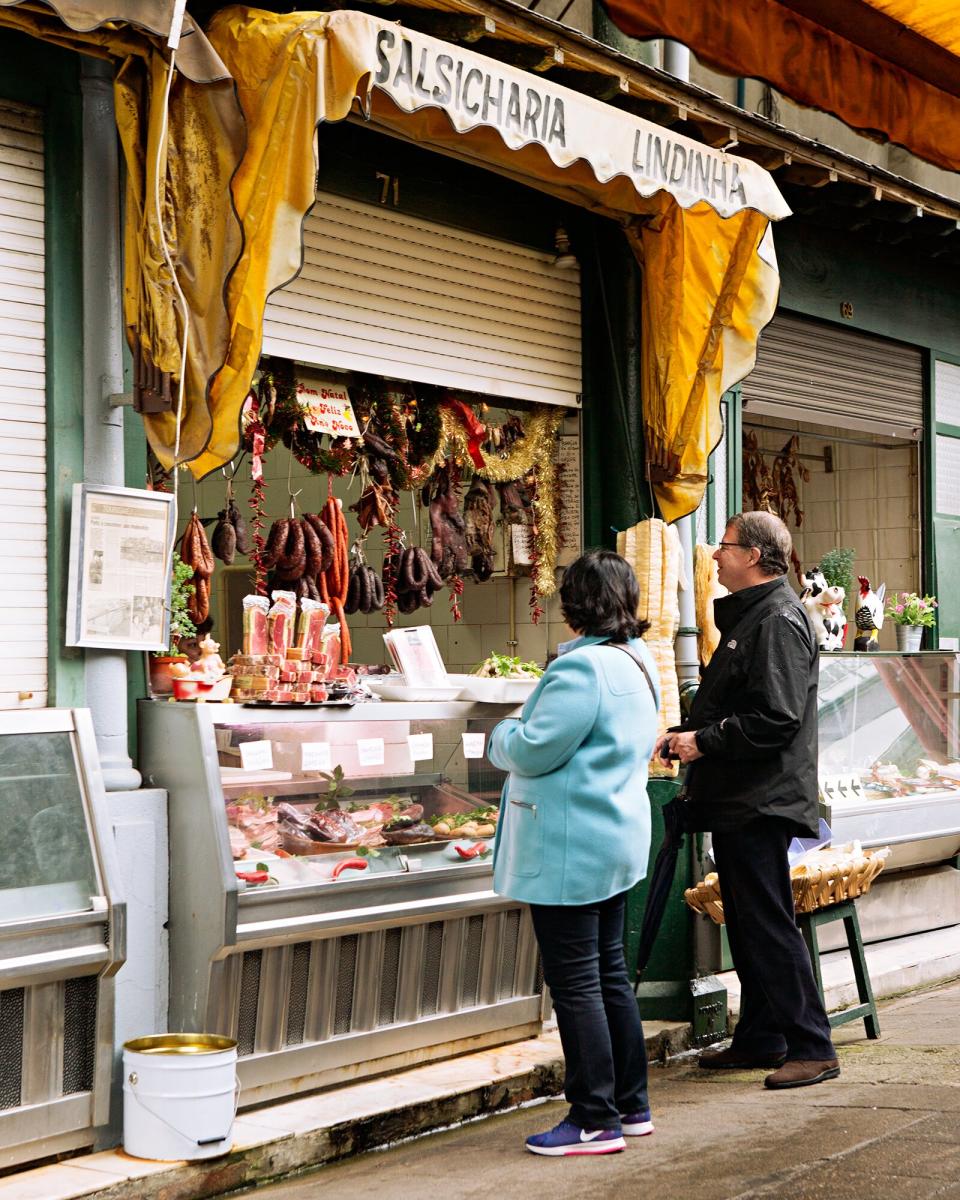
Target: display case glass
{"x":48,"y":868}
{"x":312,"y":801}
{"x":888,"y":738}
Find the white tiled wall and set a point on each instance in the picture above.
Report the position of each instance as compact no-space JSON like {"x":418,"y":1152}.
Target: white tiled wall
{"x":870,"y":502}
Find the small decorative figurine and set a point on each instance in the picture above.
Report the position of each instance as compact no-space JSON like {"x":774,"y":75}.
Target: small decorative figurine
{"x":869,"y":614}
{"x":824,"y":605}
{"x":205,"y":679}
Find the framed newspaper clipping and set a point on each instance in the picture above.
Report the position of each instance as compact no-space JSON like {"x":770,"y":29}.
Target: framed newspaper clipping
{"x":118,"y":596}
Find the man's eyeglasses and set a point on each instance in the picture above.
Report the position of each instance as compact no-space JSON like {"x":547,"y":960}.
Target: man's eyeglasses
{"x":739,"y":545}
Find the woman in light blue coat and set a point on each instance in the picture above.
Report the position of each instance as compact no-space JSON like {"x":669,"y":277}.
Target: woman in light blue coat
{"x":574,"y":837}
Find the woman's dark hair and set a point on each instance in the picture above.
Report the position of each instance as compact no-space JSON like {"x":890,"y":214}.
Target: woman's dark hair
{"x":599,"y":597}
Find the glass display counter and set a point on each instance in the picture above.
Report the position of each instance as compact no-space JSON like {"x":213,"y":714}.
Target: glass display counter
{"x":61,"y":936}
{"x":889,"y":736}
{"x":330,"y":892}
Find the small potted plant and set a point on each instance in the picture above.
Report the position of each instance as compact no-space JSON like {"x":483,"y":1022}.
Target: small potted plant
{"x":911,"y":613}
{"x":181,"y":628}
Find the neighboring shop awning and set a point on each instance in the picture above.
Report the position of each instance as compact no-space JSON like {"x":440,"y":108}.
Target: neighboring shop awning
{"x":206,"y":130}
{"x":888,"y":68}
{"x":697,"y":218}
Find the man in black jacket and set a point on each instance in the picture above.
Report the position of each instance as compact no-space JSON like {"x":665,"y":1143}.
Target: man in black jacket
{"x":751,"y":748}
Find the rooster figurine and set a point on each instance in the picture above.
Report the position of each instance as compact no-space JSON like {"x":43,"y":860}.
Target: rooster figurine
{"x":868,"y":615}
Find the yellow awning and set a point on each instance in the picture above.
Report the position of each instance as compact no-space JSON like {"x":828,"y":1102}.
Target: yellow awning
{"x":698,"y":218}
{"x":197,"y":160}
{"x":888,"y":68}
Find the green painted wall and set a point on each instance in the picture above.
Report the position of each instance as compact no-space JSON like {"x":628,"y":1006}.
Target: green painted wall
{"x":48,"y":78}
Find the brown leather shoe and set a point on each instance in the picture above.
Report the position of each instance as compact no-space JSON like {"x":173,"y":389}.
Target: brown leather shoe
{"x":736,"y":1060}
{"x":798,"y":1073}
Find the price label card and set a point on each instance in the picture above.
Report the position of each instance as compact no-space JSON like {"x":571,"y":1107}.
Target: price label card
{"x":256,"y":756}
{"x":473,"y":744}
{"x":521,"y":544}
{"x":315,"y":756}
{"x":421,"y":746}
{"x":370,"y":752}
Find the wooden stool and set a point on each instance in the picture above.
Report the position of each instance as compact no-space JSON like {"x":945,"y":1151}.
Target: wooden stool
{"x":846,"y":911}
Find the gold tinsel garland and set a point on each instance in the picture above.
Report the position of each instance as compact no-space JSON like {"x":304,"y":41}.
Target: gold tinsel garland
{"x":534,"y":451}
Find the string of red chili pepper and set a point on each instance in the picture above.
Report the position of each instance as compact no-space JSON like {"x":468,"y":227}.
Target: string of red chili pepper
{"x":536,"y":608}
{"x":392,"y":549}
{"x":455,"y":586}
{"x":256,"y":502}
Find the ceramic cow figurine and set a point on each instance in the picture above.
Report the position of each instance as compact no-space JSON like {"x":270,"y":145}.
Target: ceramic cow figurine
{"x":868,"y":614}
{"x":824,"y":605}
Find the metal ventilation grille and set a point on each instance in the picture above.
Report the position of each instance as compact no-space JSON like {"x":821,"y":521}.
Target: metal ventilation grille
{"x":297,"y":1001}
{"x":389,"y":977}
{"x":432,"y":953}
{"x":470,"y":963}
{"x":538,"y":978}
{"x":11,"y":1047}
{"x":510,"y":938}
{"x":249,"y":1001}
{"x":346,"y":977}
{"x":79,"y":1033}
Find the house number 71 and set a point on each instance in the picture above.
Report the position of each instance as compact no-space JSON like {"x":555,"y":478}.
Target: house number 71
{"x":388,"y":184}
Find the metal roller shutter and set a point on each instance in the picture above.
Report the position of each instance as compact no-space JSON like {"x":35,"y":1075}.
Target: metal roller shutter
{"x":395,"y":295}
{"x":23,"y":531}
{"x":814,"y":371}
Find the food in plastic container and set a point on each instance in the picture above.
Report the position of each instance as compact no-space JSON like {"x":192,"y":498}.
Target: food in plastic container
{"x":255,"y":609}
{"x":280,"y":623}
{"x":310,"y":624}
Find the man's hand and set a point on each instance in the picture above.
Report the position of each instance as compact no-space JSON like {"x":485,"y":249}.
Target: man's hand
{"x":683,"y":746}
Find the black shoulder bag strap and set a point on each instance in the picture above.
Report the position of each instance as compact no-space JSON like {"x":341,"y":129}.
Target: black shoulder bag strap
{"x":631,"y":653}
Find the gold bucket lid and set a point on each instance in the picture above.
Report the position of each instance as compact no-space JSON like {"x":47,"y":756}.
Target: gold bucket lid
{"x":181,"y":1043}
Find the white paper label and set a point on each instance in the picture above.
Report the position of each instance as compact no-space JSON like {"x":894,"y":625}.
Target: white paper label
{"x":473,"y":744}
{"x":421,"y":746}
{"x":315,"y":756}
{"x":256,"y":756}
{"x":370,"y":752}
{"x":521,"y":544}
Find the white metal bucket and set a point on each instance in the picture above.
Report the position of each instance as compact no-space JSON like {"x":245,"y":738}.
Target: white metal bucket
{"x":180,"y":1095}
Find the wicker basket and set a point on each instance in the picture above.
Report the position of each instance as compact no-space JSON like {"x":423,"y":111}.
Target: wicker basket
{"x":826,"y":878}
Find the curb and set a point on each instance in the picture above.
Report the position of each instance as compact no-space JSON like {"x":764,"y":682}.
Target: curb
{"x":284,"y":1140}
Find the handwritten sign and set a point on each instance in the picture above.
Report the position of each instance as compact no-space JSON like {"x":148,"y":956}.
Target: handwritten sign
{"x":521,"y":545}
{"x":473,"y":744}
{"x":421,"y":746}
{"x":315,"y":756}
{"x":327,"y":409}
{"x":370,"y":752}
{"x":256,"y":756}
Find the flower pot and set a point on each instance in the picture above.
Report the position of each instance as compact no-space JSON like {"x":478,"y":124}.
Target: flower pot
{"x":909,"y":637}
{"x":161,"y":681}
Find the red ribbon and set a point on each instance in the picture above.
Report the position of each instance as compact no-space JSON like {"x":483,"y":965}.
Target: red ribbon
{"x":476,"y":430}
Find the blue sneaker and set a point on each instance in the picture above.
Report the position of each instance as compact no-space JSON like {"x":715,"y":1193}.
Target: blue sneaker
{"x":568,"y":1138}
{"x":637,"y":1124}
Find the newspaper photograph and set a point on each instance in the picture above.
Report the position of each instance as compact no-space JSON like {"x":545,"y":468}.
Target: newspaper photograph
{"x":119,"y":568}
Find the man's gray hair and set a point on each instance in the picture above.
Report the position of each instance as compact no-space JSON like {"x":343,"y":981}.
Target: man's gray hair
{"x":770,"y":536}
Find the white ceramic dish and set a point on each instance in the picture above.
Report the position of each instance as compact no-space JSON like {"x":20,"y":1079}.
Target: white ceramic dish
{"x":392,"y":688}
{"x":493,"y":691}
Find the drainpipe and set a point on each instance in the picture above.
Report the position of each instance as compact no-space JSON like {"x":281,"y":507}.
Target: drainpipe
{"x":105,"y":670}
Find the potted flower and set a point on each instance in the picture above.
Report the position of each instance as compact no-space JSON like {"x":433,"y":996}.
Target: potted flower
{"x":181,"y":628}
{"x":911,"y":614}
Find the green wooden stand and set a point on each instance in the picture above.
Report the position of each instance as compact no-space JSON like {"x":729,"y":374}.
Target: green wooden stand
{"x":846,"y":911}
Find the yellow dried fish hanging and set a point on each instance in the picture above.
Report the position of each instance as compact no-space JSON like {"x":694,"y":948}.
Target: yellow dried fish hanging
{"x":706,"y":588}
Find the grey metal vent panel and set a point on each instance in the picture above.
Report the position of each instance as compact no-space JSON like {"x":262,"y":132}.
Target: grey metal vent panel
{"x":815,"y":371}
{"x":433,"y":952}
{"x":11,"y":1047}
{"x":346,"y":979}
{"x":389,"y":977}
{"x":297,"y":1002}
{"x":249,"y":1001}
{"x":508,"y":952}
{"x":79,"y":1033}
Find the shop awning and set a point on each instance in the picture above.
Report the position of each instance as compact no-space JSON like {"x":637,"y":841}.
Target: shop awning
{"x":206,"y":133}
{"x":888,"y":68}
{"x":697,"y":218}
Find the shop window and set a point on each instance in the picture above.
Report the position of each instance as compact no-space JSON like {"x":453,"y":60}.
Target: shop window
{"x":945,"y":488}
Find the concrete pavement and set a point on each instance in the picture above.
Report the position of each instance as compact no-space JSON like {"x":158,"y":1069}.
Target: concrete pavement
{"x":889,"y":1127}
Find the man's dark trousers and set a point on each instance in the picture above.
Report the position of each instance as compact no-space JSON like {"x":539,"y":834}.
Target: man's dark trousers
{"x":780,"y":1008}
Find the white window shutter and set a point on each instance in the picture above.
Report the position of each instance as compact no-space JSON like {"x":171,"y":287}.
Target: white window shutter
{"x":23,"y":486}
{"x":391,"y":294}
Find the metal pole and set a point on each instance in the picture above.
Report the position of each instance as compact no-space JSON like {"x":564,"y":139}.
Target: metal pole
{"x":676,"y":60}
{"x":687,"y":653}
{"x":105,"y":670}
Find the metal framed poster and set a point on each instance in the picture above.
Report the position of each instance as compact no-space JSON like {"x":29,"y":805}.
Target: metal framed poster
{"x":118,"y":596}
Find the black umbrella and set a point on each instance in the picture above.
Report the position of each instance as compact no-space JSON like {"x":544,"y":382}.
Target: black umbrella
{"x":661,"y":877}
